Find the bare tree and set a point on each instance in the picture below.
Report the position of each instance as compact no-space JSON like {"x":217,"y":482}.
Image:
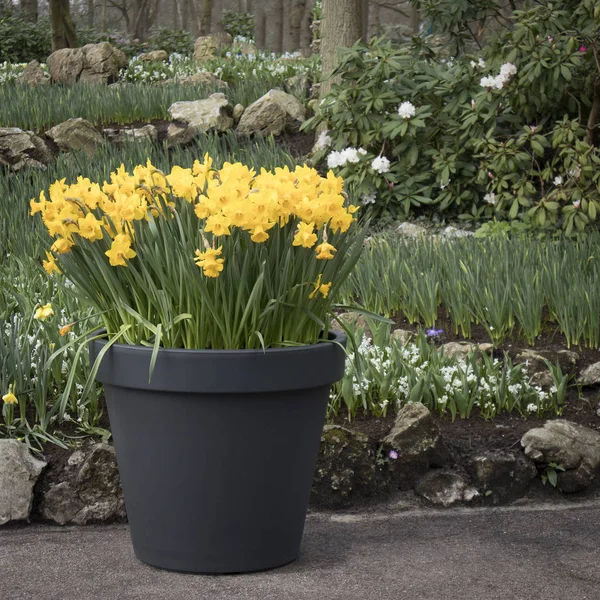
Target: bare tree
{"x":91,"y":13}
{"x":29,"y":9}
{"x":61,"y":25}
{"x":294,"y":14}
{"x":305,"y":29}
{"x":260,"y":25}
{"x":341,"y":26}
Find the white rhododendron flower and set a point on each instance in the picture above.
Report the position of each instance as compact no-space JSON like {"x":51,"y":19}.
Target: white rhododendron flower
{"x":324,"y":140}
{"x":490,"y":198}
{"x":407,"y":110}
{"x":507,"y":70}
{"x":380,"y":164}
{"x":342,"y":157}
{"x":558,"y":180}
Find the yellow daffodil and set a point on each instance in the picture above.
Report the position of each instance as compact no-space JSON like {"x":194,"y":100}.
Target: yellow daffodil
{"x":43,"y":312}
{"x":10,"y":398}
{"x":325,"y":251}
{"x":320,"y":288}
{"x":50,"y":265}
{"x":65,"y":329}
{"x":90,"y":228}
{"x":305,"y":235}
{"x":120,"y":250}
{"x":210,"y":262}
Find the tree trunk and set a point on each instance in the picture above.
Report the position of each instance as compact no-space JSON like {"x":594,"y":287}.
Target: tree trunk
{"x":365,"y":21}
{"x":305,"y":30}
{"x":143,"y":16}
{"x":206,"y":8}
{"x":91,"y":13}
{"x":29,"y":9}
{"x":415,"y":20}
{"x":260,"y":26}
{"x":61,"y":25}
{"x":294,"y":25}
{"x":274,"y":29}
{"x":341,"y":26}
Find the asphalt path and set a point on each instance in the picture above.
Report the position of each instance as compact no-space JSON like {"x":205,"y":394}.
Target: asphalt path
{"x":526,"y":553}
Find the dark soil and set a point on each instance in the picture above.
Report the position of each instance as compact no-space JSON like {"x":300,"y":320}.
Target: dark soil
{"x":298,"y":144}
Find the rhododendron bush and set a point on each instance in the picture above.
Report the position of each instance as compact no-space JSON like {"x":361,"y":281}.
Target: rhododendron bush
{"x":508,"y":131}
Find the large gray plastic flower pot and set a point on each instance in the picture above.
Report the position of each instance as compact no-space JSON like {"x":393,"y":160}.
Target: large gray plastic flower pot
{"x":217,"y":453}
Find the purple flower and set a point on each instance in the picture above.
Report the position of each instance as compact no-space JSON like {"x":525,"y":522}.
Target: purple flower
{"x":393,"y":454}
{"x":433,"y":332}
{"x":582,"y":48}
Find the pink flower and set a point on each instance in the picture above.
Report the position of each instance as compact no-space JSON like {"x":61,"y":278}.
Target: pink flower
{"x":582,"y":48}
{"x":393,"y":454}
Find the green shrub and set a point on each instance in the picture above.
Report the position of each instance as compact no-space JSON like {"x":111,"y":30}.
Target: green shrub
{"x":238,"y":24}
{"x":172,"y":40}
{"x":22,"y":41}
{"x":509,"y":134}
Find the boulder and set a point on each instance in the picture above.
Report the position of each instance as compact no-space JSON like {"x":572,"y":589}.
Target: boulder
{"x":502,"y":476}
{"x":147,"y":133}
{"x":460,"y":350}
{"x":356,"y":321}
{"x":20,"y":149}
{"x":33,"y":75}
{"x":403,"y":336}
{"x":345,"y":468}
{"x":443,"y":488}
{"x":238,"y":111}
{"x":417,"y":440}
{"x":208,"y":46}
{"x":573,"y":447}
{"x":19,"y":471}
{"x":211,"y":114}
{"x":76,"y":134}
{"x":298,"y":85}
{"x":88,"y":490}
{"x":534,"y":360}
{"x":272,"y":114}
{"x":410,"y":230}
{"x":94,"y":63}
{"x":154,"y":56}
{"x":590,"y":375}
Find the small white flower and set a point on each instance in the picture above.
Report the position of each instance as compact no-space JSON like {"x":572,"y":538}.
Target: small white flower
{"x":407,"y":110}
{"x":577,"y":203}
{"x":443,"y":185}
{"x":532,"y":408}
{"x":558,"y":180}
{"x":490,"y":198}
{"x":368,"y":198}
{"x":380,"y":164}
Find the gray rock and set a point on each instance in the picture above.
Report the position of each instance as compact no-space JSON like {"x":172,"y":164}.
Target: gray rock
{"x":147,"y":133}
{"x":154,"y":56}
{"x":534,"y":359}
{"x":238,"y":111}
{"x":208,"y":46}
{"x":418,"y":441}
{"x":76,"y":134}
{"x":410,"y":230}
{"x":89,"y":490}
{"x":356,"y":321}
{"x":20,"y":149}
{"x":298,"y":85}
{"x":94,"y":64}
{"x":179,"y":135}
{"x":453,"y":233}
{"x":273,"y":113}
{"x":402,"y":336}
{"x":502,"y":476}
{"x":345,"y":468}
{"x":460,"y":350}
{"x":590,"y":375}
{"x":211,"y":114}
{"x":19,"y":471}
{"x":443,"y":488}
{"x":203,"y":78}
{"x":33,"y":75}
{"x":569,"y":445}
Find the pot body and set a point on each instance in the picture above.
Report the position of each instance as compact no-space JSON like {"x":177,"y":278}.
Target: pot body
{"x":217,"y":453}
